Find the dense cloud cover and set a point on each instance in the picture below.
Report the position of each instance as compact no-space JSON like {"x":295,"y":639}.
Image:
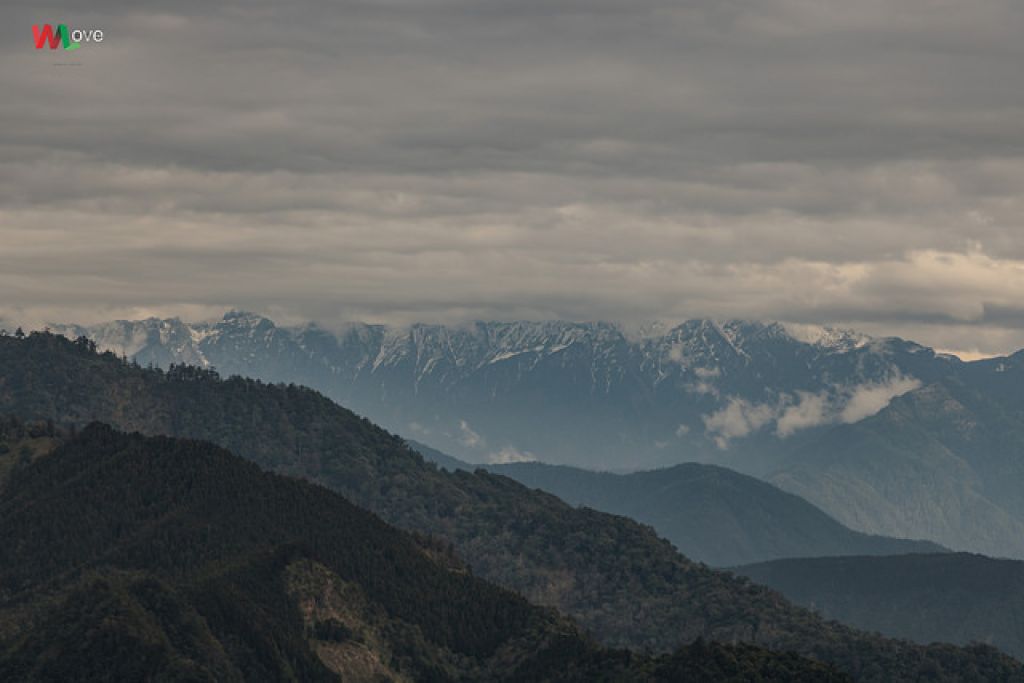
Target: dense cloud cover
{"x":857,"y":163}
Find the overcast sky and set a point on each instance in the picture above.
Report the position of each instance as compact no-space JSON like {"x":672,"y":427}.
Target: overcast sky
{"x":818,"y":161}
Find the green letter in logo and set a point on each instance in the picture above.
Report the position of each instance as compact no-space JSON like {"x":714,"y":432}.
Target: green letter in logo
{"x":65,"y":36}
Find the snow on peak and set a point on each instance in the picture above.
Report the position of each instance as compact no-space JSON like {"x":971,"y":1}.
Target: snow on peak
{"x":245,"y":318}
{"x":829,"y":338}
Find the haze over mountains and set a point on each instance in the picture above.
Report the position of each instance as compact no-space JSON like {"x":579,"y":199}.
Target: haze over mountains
{"x":839,"y":418}
{"x":614,"y":576}
{"x":710,"y":513}
{"x":589,"y":394}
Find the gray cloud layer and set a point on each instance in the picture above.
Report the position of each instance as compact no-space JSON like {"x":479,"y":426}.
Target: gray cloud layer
{"x":832,"y":162}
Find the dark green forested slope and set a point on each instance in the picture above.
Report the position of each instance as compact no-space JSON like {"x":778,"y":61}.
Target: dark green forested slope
{"x":176,"y":555}
{"x":442,"y":459}
{"x":616,"y":577}
{"x":712,"y":514}
{"x":128,"y":558}
{"x":955,"y":598}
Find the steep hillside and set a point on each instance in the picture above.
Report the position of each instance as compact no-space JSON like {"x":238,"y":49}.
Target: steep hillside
{"x":616,"y":577}
{"x":175,"y":556}
{"x":957,"y":598}
{"x":942,"y":462}
{"x":712,"y":514}
{"x":131,"y":558}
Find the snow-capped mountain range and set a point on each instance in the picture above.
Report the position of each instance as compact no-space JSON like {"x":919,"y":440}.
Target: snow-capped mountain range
{"x":590,"y":394}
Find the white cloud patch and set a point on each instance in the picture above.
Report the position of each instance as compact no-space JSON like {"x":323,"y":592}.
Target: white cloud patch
{"x":509,"y":454}
{"x":809,"y":410}
{"x":469,"y":438}
{"x":792,"y":413}
{"x":417,"y":428}
{"x":867,"y":399}
{"x":705,"y":381}
{"x":738,"y":419}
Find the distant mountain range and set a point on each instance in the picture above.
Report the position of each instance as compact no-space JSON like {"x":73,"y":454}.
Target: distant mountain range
{"x":710,"y":513}
{"x":614,"y":576}
{"x":956,"y":598}
{"x":585,"y":394}
{"x":885,"y":435}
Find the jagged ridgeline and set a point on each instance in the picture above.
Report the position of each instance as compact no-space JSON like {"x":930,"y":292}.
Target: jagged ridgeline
{"x":130,"y":558}
{"x":586,"y":394}
{"x":614,"y":576}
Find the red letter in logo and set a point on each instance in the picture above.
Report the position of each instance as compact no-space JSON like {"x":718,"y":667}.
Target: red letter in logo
{"x":47,"y":34}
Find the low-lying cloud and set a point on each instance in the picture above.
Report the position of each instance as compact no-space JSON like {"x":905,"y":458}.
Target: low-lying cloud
{"x":808,"y":410}
{"x":791,"y":413}
{"x":508,"y":455}
{"x":868,"y":399}
{"x":737,"y":419}
{"x":469,"y":438}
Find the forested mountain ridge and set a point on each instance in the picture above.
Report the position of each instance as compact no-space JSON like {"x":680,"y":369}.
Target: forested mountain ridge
{"x":712,"y":514}
{"x":614,"y":576}
{"x":953,"y":597}
{"x":132,"y":558}
{"x":179,"y":535}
